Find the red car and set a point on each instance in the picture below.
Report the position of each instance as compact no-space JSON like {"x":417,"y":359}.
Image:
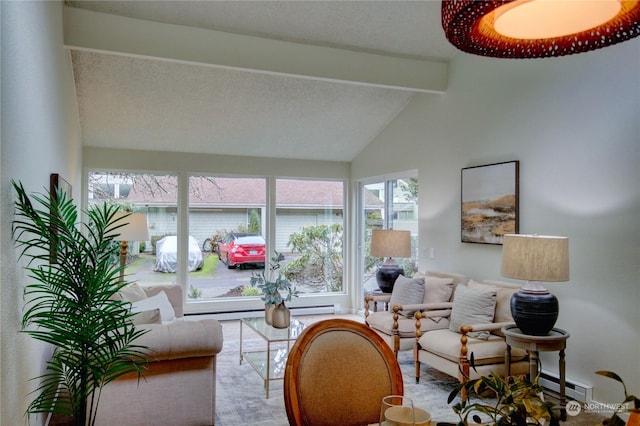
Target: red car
{"x":241,"y":250}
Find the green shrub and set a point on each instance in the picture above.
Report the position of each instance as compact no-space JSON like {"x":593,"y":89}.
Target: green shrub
{"x":194,"y":293}
{"x":247,"y":290}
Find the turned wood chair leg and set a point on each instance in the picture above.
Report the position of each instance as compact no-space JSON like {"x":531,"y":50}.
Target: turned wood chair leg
{"x":417,"y":362}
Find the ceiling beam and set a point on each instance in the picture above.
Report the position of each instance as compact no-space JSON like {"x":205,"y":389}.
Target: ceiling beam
{"x":103,"y":32}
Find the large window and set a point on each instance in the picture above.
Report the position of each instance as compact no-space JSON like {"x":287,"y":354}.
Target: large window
{"x":227,"y":229}
{"x":155,"y":195}
{"x":226,"y":225}
{"x":388,"y":204}
{"x":310,"y":232}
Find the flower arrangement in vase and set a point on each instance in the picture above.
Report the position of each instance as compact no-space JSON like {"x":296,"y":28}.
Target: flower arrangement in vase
{"x":276,"y":289}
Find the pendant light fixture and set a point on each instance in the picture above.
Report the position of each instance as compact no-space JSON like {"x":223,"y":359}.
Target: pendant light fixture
{"x":538,"y":28}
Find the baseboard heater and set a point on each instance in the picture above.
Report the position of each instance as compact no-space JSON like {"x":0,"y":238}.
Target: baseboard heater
{"x":574,"y":390}
{"x":234,"y":315}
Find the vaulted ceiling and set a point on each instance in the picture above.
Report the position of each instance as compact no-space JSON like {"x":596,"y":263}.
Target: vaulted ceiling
{"x":287,"y":79}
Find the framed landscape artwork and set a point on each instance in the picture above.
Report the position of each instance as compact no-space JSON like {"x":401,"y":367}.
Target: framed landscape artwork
{"x":490,"y":202}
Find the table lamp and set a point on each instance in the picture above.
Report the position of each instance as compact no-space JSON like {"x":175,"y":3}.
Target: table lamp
{"x":389,"y":243}
{"x":537,"y":259}
{"x":135,"y":229}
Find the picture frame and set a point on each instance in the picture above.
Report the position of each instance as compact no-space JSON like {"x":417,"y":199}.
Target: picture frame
{"x":490,"y":202}
{"x":57,"y":182}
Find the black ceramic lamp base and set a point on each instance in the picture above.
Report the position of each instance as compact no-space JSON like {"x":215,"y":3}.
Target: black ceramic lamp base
{"x":387,"y":275}
{"x":535,"y":314}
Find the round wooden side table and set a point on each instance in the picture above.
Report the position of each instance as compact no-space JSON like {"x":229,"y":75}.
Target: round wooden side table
{"x":556,"y":340}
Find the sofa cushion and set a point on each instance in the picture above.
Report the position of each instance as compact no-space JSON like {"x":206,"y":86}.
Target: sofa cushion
{"x":131,"y":293}
{"x":182,"y":339}
{"x":152,"y":316}
{"x":382,"y":321}
{"x":173,"y":291}
{"x":407,"y":291}
{"x":159,"y":301}
{"x":446,"y":344}
{"x":472,"y":306}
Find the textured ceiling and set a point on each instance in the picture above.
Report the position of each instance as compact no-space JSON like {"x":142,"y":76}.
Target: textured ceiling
{"x":142,"y":102}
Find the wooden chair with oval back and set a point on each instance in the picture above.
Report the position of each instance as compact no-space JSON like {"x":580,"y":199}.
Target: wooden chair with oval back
{"x":337,"y":373}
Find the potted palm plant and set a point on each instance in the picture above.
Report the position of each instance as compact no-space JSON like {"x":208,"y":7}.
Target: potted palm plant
{"x":276,"y":289}
{"x":70,"y":302}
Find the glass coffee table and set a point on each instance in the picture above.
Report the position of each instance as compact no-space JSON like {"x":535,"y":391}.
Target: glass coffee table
{"x":269,"y":363}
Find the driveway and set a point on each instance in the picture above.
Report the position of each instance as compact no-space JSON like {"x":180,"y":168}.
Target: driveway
{"x":223,"y":281}
{"x":216,"y":284}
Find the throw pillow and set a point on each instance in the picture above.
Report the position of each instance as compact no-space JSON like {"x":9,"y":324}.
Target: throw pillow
{"x":437,"y":290}
{"x":159,"y":301}
{"x":472,"y":306}
{"x":147,"y":317}
{"x":407,"y":291}
{"x":132,"y":293}
{"x":503,"y":300}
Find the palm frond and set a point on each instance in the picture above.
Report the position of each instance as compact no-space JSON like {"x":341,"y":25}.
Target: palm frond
{"x":69,"y":303}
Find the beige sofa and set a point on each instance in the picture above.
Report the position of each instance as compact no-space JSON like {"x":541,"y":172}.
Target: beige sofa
{"x":179,"y":387}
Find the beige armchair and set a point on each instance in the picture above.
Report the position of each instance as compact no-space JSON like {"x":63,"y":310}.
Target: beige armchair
{"x":475,"y":323}
{"x":396,"y":325}
{"x":179,"y":387}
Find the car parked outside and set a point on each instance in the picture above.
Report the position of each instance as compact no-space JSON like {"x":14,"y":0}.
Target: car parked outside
{"x":167,"y":255}
{"x":240,"y":250}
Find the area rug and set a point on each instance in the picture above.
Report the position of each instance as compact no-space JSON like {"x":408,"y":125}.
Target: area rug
{"x":241,"y":394}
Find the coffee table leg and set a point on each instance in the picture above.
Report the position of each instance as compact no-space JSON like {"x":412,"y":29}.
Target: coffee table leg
{"x":240,"y":342}
{"x":268,"y":372}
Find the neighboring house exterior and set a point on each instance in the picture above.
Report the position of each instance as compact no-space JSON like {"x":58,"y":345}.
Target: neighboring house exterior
{"x":219,"y":205}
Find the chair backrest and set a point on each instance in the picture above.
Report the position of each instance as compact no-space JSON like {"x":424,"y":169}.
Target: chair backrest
{"x":337,"y":373}
{"x":456,"y":278}
{"x":504,"y":291}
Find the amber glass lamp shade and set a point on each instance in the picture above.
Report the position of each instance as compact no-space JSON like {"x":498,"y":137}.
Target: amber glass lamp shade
{"x":538,"y":28}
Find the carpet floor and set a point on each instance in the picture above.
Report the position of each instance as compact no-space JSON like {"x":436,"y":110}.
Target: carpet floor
{"x":241,"y":394}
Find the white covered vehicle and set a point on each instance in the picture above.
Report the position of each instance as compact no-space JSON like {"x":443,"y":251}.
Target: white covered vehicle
{"x":167,"y":254}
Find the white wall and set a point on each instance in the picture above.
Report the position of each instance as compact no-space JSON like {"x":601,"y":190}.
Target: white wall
{"x":40,"y":135}
{"x":574,"y":124}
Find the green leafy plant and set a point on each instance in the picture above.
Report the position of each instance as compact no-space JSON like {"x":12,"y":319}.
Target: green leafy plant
{"x":515,"y":402}
{"x":247,"y":290}
{"x":194,"y":292}
{"x":254,"y":221}
{"x":625,"y":406}
{"x":320,"y":249}
{"x":275,"y":288}
{"x":70,"y":303}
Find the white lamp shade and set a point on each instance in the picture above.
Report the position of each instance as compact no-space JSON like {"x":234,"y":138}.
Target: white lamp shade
{"x":136,"y":228}
{"x":390,"y":243}
{"x":535,"y":257}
